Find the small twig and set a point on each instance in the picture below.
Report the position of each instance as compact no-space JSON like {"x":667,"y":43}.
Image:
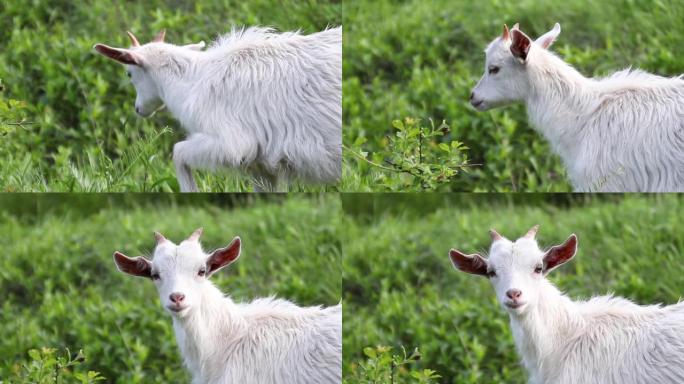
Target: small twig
{"x":420,"y":146}
{"x":392,"y":367}
{"x":360,"y":156}
{"x":398,"y":168}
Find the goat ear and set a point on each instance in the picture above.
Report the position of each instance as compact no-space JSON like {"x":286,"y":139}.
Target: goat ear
{"x":475,"y":264}
{"x":121,"y":55}
{"x":195,"y":47}
{"x":560,"y":254}
{"x":223,"y":256}
{"x":549,"y":37}
{"x":520,"y":44}
{"x":136,"y":266}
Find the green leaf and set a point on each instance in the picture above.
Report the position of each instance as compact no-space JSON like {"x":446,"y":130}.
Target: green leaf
{"x":370,"y":352}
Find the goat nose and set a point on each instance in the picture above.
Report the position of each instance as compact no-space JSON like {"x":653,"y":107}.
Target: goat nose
{"x":472,"y":95}
{"x":137,"y":110}
{"x":513,"y":294}
{"x":176,"y":297}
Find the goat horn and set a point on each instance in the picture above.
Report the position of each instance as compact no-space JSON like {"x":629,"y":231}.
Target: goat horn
{"x":505,"y":35}
{"x":134,"y":41}
{"x":495,"y":235}
{"x":196,"y":235}
{"x":159,"y":237}
{"x":160,"y":37}
{"x":532,"y":232}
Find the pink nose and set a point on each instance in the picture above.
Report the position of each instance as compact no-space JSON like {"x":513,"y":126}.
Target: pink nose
{"x":513,"y":294}
{"x":176,"y":297}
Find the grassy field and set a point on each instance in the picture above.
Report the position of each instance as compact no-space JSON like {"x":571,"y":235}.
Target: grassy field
{"x":421,"y":58}
{"x":61,"y":289}
{"x":400,"y":288}
{"x":78,"y":130}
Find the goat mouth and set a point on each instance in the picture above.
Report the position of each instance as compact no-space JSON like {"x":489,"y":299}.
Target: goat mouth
{"x":477,"y":104}
{"x":176,"y":309}
{"x":514,"y":305}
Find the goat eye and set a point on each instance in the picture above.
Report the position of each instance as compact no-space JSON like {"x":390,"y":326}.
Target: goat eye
{"x":538,"y":269}
{"x":491,"y":273}
{"x":201,"y":272}
{"x":155,"y":276}
{"x":493,"y":69}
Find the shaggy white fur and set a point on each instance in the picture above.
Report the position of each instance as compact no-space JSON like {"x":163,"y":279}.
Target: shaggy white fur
{"x":256,"y":100}
{"x":623,"y":133}
{"x":604,"y":340}
{"x":266,"y":341}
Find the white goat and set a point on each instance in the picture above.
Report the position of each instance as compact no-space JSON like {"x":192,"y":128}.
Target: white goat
{"x":265,"y":102}
{"x":603,"y":340}
{"x":223,"y":342}
{"x":624,"y":133}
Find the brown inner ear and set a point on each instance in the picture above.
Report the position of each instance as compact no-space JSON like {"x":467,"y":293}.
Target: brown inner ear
{"x":520,"y":45}
{"x":475,"y":264}
{"x":136,"y":266}
{"x":560,"y":254}
{"x":119,"y":55}
{"x":223,"y":256}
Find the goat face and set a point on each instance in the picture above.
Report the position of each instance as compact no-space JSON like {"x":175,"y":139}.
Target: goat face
{"x":516,"y":269}
{"x":141,"y":61}
{"x":179,"y":271}
{"x":147,"y":99}
{"x":505,"y":79}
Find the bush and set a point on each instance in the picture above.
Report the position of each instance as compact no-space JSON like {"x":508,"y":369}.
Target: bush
{"x":415,"y":159}
{"x":48,"y":367}
{"x":383,"y":367}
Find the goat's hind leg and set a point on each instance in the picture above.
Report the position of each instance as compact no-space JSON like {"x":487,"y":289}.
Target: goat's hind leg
{"x":263,"y":180}
{"x":186,"y":181}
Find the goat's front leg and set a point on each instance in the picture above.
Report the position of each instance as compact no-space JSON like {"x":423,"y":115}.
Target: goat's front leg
{"x":204,"y":151}
{"x":185,"y":156}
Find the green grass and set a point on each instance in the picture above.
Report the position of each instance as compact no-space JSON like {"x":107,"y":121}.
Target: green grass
{"x":421,"y":59}
{"x":61,"y":289}
{"x":84,"y":134}
{"x":400,"y":288}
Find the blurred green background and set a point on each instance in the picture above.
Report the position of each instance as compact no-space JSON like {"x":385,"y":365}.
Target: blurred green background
{"x":421,"y":58}
{"x":401,"y":289}
{"x":61,"y":289}
{"x":79,"y":130}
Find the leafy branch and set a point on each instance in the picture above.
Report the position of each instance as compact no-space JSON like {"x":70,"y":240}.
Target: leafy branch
{"x":48,"y":367}
{"x":416,"y":157}
{"x":383,"y":367}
